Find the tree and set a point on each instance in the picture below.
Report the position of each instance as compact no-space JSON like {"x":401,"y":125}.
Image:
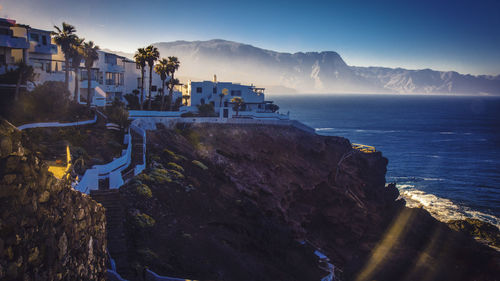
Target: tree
{"x":76,"y":54}
{"x":173,"y":66}
{"x":186,"y":98}
{"x":25,"y":73}
{"x":238,"y":104}
{"x":140,"y":61}
{"x":152,"y":55}
{"x":274,"y":107}
{"x":65,"y":37}
{"x":161,"y":69}
{"x":90,"y":55}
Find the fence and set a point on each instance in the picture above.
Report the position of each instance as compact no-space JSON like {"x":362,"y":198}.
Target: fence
{"x":57,"y":124}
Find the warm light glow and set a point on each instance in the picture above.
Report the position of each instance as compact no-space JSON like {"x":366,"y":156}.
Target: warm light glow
{"x":60,"y":171}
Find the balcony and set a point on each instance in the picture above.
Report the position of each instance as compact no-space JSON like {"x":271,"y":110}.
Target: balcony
{"x":49,"y":49}
{"x":13,"y":42}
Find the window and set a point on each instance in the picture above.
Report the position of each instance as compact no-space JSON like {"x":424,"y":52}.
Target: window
{"x":110,"y":59}
{"x":44,"y":39}
{"x":236,"y":93}
{"x":199,"y":90}
{"x":109,"y":78}
{"x":34,"y":37}
{"x":215,"y":90}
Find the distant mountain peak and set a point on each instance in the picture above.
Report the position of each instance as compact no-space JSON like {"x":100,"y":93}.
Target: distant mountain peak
{"x":312,"y":72}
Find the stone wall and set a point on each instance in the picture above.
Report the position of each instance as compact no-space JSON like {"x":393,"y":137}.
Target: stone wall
{"x":48,"y":231}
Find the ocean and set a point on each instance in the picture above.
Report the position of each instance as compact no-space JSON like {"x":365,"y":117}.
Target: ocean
{"x":443,"y":151}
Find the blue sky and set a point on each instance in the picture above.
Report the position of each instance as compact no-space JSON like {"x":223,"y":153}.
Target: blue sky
{"x":442,"y":35}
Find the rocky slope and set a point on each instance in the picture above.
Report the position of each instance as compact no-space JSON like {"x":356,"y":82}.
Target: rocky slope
{"x":48,"y":231}
{"x":313,"y":72}
{"x":231,"y":202}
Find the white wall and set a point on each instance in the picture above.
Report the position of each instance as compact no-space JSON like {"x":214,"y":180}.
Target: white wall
{"x":208,"y":95}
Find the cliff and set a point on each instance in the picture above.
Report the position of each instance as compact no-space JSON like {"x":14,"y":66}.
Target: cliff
{"x":48,"y":231}
{"x":221,"y":202}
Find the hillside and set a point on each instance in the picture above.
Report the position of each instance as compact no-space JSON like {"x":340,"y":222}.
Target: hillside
{"x":222,"y":202}
{"x":313,"y":72}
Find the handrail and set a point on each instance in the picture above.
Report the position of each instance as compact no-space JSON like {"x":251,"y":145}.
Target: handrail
{"x":56,"y":124}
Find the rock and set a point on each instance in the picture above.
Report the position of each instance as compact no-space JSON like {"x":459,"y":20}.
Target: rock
{"x":39,"y":237}
{"x":62,"y":246}
{"x":44,"y":197}
{"x":33,"y":257}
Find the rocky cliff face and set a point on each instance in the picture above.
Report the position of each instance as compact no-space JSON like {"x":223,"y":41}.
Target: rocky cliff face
{"x":48,"y":231}
{"x":231,"y":202}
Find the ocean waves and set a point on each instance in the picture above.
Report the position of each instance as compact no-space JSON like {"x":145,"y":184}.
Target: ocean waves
{"x":441,"y":208}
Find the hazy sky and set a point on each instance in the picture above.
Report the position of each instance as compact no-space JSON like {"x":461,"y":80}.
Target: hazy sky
{"x":442,"y":35}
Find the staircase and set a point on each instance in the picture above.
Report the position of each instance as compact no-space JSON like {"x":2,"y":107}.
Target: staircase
{"x":137,"y":156}
{"x":115,"y":217}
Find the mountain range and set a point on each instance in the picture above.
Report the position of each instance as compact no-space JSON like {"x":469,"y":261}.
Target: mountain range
{"x":312,"y":72}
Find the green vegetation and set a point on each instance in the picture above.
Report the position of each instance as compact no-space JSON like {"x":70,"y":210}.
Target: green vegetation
{"x":142,"y":220}
{"x":90,"y":55}
{"x":151,"y":56}
{"x":140,"y":61}
{"x":199,"y":164}
{"x":170,"y":155}
{"x":206,"y":110}
{"x":48,"y":102}
{"x":144,"y":191}
{"x":65,"y":37}
{"x":176,"y":167}
{"x":172,"y":67}
{"x":118,"y":114}
{"x":238,"y":104}
{"x":162,"y":69}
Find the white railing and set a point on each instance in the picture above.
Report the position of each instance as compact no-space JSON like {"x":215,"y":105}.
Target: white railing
{"x":111,"y":170}
{"x":145,"y":113}
{"x":57,"y":124}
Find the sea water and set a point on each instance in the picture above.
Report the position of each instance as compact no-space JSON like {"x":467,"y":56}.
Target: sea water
{"x":443,"y":151}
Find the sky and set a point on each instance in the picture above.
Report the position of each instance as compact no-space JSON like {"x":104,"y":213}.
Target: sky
{"x":457,"y":35}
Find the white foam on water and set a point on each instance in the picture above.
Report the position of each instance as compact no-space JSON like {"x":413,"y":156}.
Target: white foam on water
{"x":447,"y":133}
{"x":324,"y":129}
{"x":441,"y":208}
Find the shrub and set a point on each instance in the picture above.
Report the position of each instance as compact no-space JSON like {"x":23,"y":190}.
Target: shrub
{"x":39,"y":105}
{"x":170,"y":155}
{"x":176,"y":175}
{"x":174,"y":166}
{"x":160,"y":176}
{"x":206,"y":110}
{"x":144,"y":191}
{"x":118,"y":114}
{"x":142,"y":220}
{"x":199,"y":164}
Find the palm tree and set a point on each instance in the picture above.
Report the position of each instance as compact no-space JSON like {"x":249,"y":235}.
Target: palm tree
{"x":25,"y":73}
{"x":65,"y":37}
{"x":161,"y":69}
{"x":90,"y":55}
{"x":238,"y":103}
{"x":140,"y":61}
{"x":173,"y":66}
{"x":152,"y":55}
{"x":76,"y":59}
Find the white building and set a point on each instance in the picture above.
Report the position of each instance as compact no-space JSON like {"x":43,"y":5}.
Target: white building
{"x":220,"y":95}
{"x":14,"y":44}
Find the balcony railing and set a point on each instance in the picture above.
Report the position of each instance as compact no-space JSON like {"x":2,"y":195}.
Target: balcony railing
{"x":13,"y":42}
